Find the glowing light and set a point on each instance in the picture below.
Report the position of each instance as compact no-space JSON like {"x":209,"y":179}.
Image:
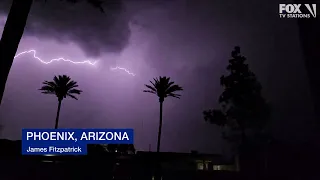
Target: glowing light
{"x":123,"y":69}
{"x":34,"y":54}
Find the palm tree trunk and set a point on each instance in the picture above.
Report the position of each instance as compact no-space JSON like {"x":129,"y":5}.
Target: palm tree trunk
{"x":160,"y":127}
{"x":158,"y":161}
{"x":58,"y":113}
{"x":11,"y":36}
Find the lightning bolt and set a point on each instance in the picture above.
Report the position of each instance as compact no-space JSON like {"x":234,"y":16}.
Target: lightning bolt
{"x":34,"y":53}
{"x":123,"y":69}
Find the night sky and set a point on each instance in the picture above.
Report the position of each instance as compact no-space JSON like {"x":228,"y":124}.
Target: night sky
{"x":190,"y":41}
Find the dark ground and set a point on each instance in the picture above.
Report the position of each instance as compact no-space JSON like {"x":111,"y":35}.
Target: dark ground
{"x":285,"y":162}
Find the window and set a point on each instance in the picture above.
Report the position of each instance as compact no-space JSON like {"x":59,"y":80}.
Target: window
{"x":216,"y":167}
{"x":200,"y":165}
{"x":223,"y":167}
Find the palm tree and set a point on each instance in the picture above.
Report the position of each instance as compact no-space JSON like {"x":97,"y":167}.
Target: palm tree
{"x":13,"y":31}
{"x":61,"y":86}
{"x":163,"y":88}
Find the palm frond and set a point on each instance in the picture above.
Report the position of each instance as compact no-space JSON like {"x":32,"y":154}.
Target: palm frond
{"x":56,"y":80}
{"x":47,"y":92}
{"x":151,"y":88}
{"x":163,"y":87}
{"x":72,"y":84}
{"x":74,"y":91}
{"x":50,"y":83}
{"x":169,"y":84}
{"x":150,"y":91}
{"x":47,"y":88}
{"x":72,"y":96}
{"x":173,"y":88}
{"x":62,"y":86}
{"x":153,"y":83}
{"x":174,"y":95}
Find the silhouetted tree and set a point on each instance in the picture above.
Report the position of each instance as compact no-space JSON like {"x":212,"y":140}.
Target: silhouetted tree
{"x":163,"y":88}
{"x":61,"y":86}
{"x":242,"y":105}
{"x":14,"y":28}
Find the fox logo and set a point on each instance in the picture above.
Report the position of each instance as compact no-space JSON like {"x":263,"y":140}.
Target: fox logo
{"x":312,"y":9}
{"x":294,"y":10}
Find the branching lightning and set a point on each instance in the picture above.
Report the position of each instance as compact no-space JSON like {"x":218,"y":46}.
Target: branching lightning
{"x":34,"y":53}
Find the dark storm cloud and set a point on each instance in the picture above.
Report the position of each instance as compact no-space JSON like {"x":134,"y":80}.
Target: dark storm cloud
{"x":81,"y":23}
{"x":95,"y":32}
